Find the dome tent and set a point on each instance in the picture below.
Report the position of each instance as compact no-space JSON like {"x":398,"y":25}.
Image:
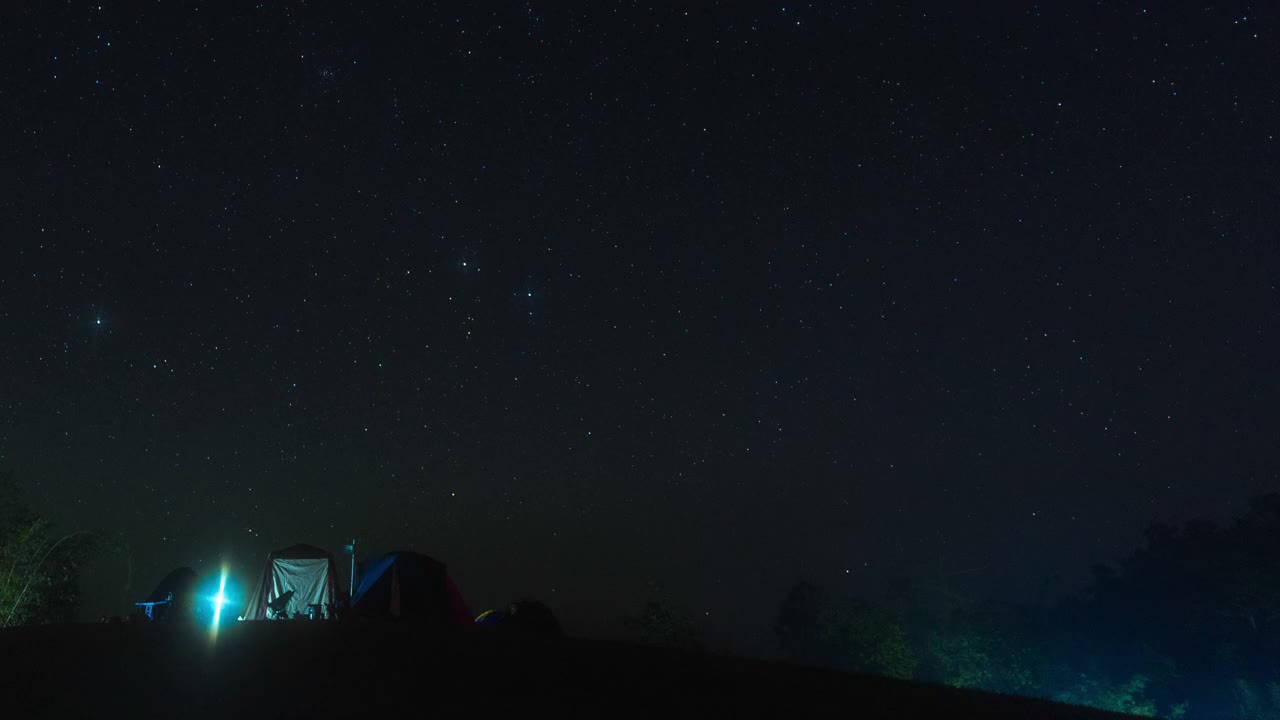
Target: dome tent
{"x":173,"y":598}
{"x":409,"y":585}
{"x":305,"y":574}
{"x":530,"y":618}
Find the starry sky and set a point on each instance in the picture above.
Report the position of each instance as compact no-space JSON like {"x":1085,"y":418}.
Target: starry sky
{"x":682,"y":301}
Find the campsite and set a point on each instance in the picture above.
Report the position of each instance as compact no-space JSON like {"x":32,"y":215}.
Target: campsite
{"x":407,"y":642}
{"x":302,"y":582}
{"x":860,"y":359}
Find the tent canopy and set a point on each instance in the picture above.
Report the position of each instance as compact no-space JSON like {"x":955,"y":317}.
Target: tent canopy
{"x":306,"y":571}
{"x":409,"y":585}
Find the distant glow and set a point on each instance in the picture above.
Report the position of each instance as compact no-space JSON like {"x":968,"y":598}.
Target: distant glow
{"x":98,"y":321}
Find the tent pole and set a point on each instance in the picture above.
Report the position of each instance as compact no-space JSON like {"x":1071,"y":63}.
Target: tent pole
{"x":351,"y":591}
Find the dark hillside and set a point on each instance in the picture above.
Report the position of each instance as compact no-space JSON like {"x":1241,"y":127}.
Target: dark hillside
{"x":319,"y":670}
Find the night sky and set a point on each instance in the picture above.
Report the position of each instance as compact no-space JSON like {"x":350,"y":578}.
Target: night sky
{"x":682,"y":302}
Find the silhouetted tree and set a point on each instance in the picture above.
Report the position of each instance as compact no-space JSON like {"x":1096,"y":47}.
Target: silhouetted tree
{"x":846,"y":633}
{"x":659,"y":625}
{"x":984,"y":652}
{"x":1186,"y":626}
{"x":1204,"y":598}
{"x":39,"y":571}
{"x":1127,"y":697}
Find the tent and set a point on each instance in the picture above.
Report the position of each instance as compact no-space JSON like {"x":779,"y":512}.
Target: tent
{"x":173,"y":598}
{"x":412,"y":586}
{"x":526,"y":617}
{"x":294,"y":579}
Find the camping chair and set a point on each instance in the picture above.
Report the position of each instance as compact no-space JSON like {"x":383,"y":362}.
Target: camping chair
{"x":149,"y":607}
{"x":278,"y":609}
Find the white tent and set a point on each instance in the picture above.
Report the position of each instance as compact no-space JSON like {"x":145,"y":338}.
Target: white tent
{"x":308,"y":572}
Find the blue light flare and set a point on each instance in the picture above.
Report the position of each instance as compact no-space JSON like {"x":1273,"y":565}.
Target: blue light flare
{"x":217,"y":596}
{"x":220,"y":599}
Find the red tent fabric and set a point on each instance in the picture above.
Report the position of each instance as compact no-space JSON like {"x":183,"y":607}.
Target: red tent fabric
{"x":412,"y":586}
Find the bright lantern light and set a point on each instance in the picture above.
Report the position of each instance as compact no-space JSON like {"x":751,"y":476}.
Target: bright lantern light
{"x":220,"y":599}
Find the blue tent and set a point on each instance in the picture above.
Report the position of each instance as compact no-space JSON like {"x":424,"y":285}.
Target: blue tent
{"x":412,"y":586}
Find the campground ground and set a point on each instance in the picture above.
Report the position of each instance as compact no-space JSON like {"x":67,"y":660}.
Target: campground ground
{"x":303,"y":669}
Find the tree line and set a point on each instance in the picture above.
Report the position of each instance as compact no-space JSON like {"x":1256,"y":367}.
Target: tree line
{"x":1188,"y":626}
